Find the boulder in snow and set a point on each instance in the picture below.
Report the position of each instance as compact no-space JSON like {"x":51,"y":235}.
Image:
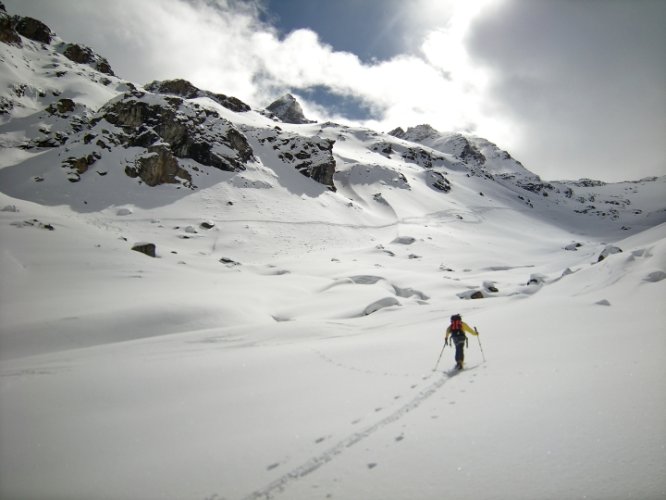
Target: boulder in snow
{"x":145,"y":248}
{"x":472,"y":294}
{"x":609,"y":250}
{"x":404,"y":240}
{"x":536,"y":279}
{"x":229,"y":262}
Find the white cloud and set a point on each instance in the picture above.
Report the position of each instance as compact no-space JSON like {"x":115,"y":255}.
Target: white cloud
{"x":222,"y":46}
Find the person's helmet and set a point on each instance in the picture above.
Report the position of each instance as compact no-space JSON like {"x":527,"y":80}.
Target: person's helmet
{"x":456,"y":317}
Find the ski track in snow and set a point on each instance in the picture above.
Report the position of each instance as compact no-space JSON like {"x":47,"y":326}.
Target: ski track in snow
{"x":439,"y":216}
{"x":279,"y":485}
{"x":331,"y":361}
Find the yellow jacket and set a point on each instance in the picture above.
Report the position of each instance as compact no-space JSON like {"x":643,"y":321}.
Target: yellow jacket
{"x":465,"y":328}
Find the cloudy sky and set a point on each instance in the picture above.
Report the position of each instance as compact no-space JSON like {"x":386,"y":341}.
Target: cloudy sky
{"x":571,"y":88}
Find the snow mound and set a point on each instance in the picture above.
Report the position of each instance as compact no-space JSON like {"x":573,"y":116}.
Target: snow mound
{"x":380,"y":304}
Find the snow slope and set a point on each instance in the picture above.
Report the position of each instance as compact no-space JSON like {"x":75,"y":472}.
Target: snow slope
{"x":282,"y":344}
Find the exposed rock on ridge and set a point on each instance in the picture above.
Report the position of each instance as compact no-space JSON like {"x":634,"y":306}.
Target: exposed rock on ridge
{"x":84,"y":55}
{"x":186,"y":90}
{"x":189,"y":130}
{"x":288,"y":110}
{"x":8,"y":33}
{"x":33,"y":29}
{"x":311,"y":156}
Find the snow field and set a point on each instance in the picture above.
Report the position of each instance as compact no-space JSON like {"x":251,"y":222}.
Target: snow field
{"x":267,"y":379}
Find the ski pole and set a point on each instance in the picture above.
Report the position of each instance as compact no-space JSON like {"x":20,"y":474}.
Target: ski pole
{"x":440,"y":357}
{"x":480,"y":346}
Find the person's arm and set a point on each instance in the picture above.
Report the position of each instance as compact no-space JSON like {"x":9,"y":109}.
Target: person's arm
{"x":468,"y":329}
{"x":448,"y":333}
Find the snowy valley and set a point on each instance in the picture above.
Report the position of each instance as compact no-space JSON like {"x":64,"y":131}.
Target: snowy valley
{"x":204,"y":300}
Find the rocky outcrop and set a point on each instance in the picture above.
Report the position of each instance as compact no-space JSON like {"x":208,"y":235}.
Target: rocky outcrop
{"x":438,"y":181}
{"x":179,"y":87}
{"x":189,"y":130}
{"x":186,"y":90}
{"x":416,"y":134}
{"x":383,"y":147}
{"x":469,"y":154}
{"x":84,"y":55}
{"x":288,"y":110}
{"x":398,"y":132}
{"x":457,"y":145}
{"x":79,"y":166}
{"x":311,"y":156}
{"x":62,"y":107}
{"x":421,"y":157}
{"x":158,"y":166}
{"x":33,"y":29}
{"x":8,"y":34}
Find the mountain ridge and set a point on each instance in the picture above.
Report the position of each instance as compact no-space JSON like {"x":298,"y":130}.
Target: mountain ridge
{"x":76,"y":114}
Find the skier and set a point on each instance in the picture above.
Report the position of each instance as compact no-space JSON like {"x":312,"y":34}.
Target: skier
{"x":456,"y":331}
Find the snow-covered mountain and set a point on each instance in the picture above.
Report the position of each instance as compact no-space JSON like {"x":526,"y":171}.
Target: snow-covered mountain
{"x":281,"y":341}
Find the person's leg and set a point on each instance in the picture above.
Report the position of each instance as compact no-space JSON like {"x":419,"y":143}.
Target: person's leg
{"x":460,"y":353}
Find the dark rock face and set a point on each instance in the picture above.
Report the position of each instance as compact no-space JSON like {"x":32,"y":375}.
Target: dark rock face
{"x":34,"y":30}
{"x":191,"y":132}
{"x":80,"y":165}
{"x":185,"y":89}
{"x":470,"y":154}
{"x":84,"y":55}
{"x":288,"y":110}
{"x":8,"y":34}
{"x":398,"y":132}
{"x":312,"y":157}
{"x":421,"y":157}
{"x":455,"y":144}
{"x":436,"y":180}
{"x":158,"y":166}
{"x":178,"y":87}
{"x":383,"y":147}
{"x":62,"y":107}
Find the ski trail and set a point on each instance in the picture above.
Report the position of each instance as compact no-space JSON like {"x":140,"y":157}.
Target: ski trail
{"x":314,"y":463}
